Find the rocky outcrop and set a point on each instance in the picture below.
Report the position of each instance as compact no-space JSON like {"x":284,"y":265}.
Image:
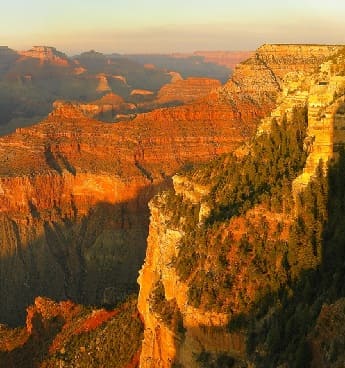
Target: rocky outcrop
{"x":183,"y":339}
{"x":66,"y":334}
{"x":106,"y":108}
{"x":326,"y":120}
{"x":74,"y":191}
{"x":186,"y":90}
{"x":178,"y":333}
{"x":267,"y":68}
{"x":47,"y":54}
{"x":103,"y":85}
{"x":141,"y":92}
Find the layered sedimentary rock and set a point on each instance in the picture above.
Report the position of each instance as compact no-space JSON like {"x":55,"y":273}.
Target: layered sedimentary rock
{"x":74,"y":191}
{"x":106,"y":108}
{"x":32,"y":80}
{"x":183,"y":338}
{"x":268,"y":66}
{"x":186,"y":90}
{"x":176,"y":333}
{"x":47,"y":54}
{"x":326,"y":119}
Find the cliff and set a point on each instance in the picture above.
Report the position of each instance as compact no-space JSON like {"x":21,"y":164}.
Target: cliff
{"x":74,"y":193}
{"x":176,"y":333}
{"x":105,"y":108}
{"x":186,"y":90}
{"x":270,"y":63}
{"x":326,"y":120}
{"x":47,"y":54}
{"x":241,"y":253}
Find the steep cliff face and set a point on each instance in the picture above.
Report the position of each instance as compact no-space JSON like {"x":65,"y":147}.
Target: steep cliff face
{"x":326,"y":119}
{"x":187,"y":90}
{"x":233,"y":263}
{"x":74,"y":193}
{"x":267,"y":68}
{"x":176,"y":333}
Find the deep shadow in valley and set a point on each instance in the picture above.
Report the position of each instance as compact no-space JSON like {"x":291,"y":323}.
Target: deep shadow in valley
{"x":93,"y":260}
{"x":35,"y":347}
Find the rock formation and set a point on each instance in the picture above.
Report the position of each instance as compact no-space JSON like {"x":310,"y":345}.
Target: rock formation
{"x":186,"y":90}
{"x":178,"y":333}
{"x":103,"y":85}
{"x":74,"y":194}
{"x":32,"y":80}
{"x":66,"y":334}
{"x":106,"y":108}
{"x":190,"y":331}
{"x":326,"y":120}
{"x":47,"y":54}
{"x":74,"y":191}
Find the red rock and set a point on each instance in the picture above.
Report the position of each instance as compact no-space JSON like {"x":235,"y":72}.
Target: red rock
{"x":186,"y":90}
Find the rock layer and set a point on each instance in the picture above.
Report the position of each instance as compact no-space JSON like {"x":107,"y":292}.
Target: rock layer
{"x":186,"y":90}
{"x":286,"y":72}
{"x":74,"y":191}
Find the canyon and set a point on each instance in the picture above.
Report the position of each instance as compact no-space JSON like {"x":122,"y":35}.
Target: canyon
{"x":217,"y":275}
{"x":31,"y":80}
{"x":74,"y":191}
{"x":179,"y":332}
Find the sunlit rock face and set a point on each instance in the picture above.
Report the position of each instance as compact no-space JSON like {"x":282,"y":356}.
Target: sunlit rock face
{"x":47,"y":54}
{"x":186,"y":90}
{"x":176,"y":334}
{"x":74,"y":192}
{"x":191,"y":331}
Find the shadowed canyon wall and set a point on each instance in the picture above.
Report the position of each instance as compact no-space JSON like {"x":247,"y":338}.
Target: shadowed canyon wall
{"x":74,"y":193}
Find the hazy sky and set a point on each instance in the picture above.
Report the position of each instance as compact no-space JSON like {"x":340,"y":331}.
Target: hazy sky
{"x":168,"y":26}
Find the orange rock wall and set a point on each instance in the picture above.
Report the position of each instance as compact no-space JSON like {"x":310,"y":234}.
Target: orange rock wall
{"x":260,"y":78}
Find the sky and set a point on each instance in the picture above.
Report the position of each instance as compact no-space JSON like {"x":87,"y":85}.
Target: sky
{"x":159,"y":26}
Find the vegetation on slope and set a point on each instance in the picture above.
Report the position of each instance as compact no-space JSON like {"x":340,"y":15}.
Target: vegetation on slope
{"x":269,"y":260}
{"x":166,"y":310}
{"x":84,"y":338}
{"x":238,"y":186}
